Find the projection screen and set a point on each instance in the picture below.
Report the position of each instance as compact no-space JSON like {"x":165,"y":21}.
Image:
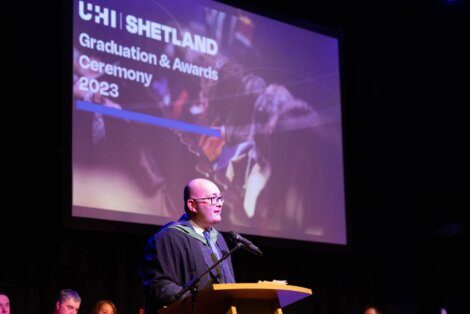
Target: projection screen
{"x":167,"y":91}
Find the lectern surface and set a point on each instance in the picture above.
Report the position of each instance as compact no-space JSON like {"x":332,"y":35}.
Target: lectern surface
{"x":257,"y":297}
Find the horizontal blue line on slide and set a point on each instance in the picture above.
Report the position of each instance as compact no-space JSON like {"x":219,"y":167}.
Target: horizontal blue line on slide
{"x":145,"y":118}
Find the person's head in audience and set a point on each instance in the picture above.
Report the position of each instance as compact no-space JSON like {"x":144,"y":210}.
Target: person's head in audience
{"x":68,"y":302}
{"x":371,"y":310}
{"x":104,"y":307}
{"x":4,"y":303}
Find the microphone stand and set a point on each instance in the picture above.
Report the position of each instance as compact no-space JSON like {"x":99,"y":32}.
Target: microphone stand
{"x":193,"y":284}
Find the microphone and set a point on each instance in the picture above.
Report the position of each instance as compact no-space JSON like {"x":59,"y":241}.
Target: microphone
{"x":247,"y":244}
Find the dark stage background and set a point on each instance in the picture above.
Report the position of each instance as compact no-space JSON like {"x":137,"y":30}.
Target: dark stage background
{"x":404,"y":91}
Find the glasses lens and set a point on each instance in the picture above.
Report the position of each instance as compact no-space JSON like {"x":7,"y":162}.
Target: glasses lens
{"x":216,"y":199}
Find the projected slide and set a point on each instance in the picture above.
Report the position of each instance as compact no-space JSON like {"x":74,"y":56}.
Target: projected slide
{"x":167,"y":91}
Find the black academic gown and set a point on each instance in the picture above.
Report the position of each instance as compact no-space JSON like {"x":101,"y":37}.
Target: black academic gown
{"x":173,"y":259}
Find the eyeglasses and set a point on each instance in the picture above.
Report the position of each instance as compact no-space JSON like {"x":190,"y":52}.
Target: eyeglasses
{"x":214,"y":199}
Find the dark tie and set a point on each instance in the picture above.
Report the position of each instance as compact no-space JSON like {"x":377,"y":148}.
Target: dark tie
{"x":209,"y":243}
{"x":215,"y":255}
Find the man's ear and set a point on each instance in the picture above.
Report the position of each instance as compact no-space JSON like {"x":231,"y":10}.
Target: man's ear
{"x":191,"y":205}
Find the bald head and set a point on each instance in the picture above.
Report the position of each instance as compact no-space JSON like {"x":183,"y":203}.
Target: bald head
{"x":197,"y":188}
{"x":200,"y":184}
{"x":371,"y":310}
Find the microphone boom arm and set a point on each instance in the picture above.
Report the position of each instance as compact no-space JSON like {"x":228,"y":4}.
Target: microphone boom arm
{"x":195,"y":281}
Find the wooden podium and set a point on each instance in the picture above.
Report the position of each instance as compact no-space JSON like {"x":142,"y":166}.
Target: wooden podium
{"x":240,"y":298}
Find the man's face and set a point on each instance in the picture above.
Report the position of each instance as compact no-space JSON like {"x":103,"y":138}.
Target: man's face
{"x":69,"y":306}
{"x":4,"y":304}
{"x":206,"y":214}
